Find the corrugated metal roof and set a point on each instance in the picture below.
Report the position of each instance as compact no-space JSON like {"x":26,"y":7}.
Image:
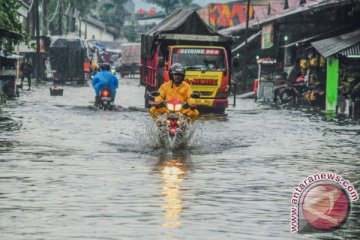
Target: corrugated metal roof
{"x":334,"y":45}
{"x":311,"y":5}
{"x":354,"y":50}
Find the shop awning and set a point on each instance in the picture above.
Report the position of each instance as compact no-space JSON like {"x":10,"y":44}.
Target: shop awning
{"x":307,"y":39}
{"x":250,"y":39}
{"x":299,"y":41}
{"x":354,"y":50}
{"x":344,"y":44}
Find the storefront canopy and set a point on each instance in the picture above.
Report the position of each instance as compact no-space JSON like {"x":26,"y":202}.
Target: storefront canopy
{"x":346,"y":44}
{"x":250,"y":39}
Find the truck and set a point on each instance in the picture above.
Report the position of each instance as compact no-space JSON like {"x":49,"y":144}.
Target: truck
{"x":130,"y":59}
{"x":183,"y":37}
{"x":67,"y":57}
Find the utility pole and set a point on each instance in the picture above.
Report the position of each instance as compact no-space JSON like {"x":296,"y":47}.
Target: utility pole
{"x":80,"y":21}
{"x":37,"y":28}
{"x":86,"y":23}
{"x":246,"y":46}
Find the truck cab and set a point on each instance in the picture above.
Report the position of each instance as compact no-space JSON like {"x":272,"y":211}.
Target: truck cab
{"x":207,"y":72}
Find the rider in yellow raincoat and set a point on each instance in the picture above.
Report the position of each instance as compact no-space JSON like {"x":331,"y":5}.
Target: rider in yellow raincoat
{"x":176,"y":88}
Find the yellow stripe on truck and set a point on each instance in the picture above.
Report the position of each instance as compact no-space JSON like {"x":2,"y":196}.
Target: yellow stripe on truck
{"x":204,"y":102}
{"x":192,"y":76}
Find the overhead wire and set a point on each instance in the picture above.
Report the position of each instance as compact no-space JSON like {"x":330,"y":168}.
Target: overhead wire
{"x":55,"y":13}
{"x":30,"y":7}
{"x":68,"y":9}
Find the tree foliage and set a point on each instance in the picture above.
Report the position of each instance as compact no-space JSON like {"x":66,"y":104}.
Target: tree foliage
{"x":132,"y":35}
{"x":60,"y":11}
{"x":170,"y":5}
{"x":112,"y":13}
{"x":9,"y":22}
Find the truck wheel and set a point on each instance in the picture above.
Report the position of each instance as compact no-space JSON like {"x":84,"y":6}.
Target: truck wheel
{"x":220,"y":110}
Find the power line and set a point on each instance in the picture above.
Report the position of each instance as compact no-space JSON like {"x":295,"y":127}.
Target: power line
{"x":55,"y":13}
{"x":30,"y":6}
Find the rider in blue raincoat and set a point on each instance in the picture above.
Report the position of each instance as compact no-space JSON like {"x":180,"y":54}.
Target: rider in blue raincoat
{"x":105,"y":79}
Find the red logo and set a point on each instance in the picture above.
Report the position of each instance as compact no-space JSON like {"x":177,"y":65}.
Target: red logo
{"x":325,"y":206}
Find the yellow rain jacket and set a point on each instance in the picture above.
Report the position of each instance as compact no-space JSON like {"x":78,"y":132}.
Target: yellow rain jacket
{"x":170,"y":91}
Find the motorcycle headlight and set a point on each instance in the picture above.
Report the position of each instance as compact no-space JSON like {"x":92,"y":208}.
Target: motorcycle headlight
{"x":178,"y":107}
{"x":170,"y":106}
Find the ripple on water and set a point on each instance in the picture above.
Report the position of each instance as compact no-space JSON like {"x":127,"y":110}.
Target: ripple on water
{"x":8,"y":124}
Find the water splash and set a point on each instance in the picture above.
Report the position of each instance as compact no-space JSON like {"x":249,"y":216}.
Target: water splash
{"x":158,"y":138}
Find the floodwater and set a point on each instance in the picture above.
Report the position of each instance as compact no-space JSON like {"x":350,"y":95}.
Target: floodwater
{"x":68,"y":171}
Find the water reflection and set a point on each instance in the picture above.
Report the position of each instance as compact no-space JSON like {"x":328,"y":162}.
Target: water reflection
{"x":172,"y":169}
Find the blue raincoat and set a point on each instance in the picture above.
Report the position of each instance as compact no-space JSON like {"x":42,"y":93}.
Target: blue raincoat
{"x":105,"y":79}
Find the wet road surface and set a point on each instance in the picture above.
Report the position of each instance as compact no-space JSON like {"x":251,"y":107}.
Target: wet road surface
{"x":69,"y":171}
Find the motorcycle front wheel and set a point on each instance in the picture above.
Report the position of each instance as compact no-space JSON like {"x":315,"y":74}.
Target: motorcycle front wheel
{"x":287,"y":96}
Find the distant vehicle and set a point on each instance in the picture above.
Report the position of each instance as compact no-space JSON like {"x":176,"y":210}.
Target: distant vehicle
{"x":116,"y":61}
{"x":67,"y":56}
{"x":130,"y":59}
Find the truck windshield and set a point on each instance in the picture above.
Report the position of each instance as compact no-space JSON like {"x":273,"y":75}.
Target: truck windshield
{"x":200,"y":58}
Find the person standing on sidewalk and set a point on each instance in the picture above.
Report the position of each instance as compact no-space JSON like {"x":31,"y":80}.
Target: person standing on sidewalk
{"x":26,"y":70}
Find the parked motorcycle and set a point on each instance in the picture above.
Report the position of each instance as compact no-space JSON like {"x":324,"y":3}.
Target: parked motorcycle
{"x":173,"y":125}
{"x":300,"y":91}
{"x":105,"y":100}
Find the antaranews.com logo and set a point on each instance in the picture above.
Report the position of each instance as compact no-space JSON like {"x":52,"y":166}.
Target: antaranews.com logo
{"x":322,"y":201}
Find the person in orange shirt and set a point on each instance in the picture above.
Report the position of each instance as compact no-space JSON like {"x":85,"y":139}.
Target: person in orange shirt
{"x":175,"y":89}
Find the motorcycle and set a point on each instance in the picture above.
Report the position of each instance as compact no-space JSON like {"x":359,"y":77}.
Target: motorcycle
{"x":105,"y":100}
{"x":173,"y":125}
{"x":300,"y":90}
{"x":113,"y":69}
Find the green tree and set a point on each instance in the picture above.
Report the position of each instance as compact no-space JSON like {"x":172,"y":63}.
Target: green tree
{"x":113,"y":13}
{"x":61,"y":13}
{"x":170,"y":5}
{"x":9,"y":21}
{"x":132,"y":35}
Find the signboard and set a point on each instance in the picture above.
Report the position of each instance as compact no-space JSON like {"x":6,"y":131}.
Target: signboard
{"x":200,"y":51}
{"x":267,"y":36}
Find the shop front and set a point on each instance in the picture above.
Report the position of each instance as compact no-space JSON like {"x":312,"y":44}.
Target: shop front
{"x":342,"y":55}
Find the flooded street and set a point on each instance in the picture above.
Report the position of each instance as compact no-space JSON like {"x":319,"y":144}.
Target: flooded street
{"x":69,"y":171}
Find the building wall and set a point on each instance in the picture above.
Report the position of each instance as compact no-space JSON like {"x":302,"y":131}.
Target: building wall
{"x":95,"y":32}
